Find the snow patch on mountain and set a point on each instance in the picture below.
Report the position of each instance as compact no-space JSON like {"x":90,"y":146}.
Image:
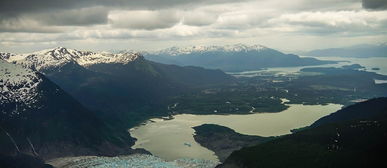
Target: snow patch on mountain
{"x":18,"y":85}
{"x":174,"y":51}
{"x":97,"y":58}
{"x":57,"y":57}
{"x":4,"y":56}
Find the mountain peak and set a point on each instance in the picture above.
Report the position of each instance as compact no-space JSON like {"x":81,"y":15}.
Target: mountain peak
{"x":59,"y":56}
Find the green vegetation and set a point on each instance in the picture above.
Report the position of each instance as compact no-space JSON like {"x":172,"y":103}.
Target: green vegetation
{"x":335,"y":85}
{"x":124,"y":95}
{"x":228,"y":100}
{"x":223,"y":141}
{"x":264,"y":93}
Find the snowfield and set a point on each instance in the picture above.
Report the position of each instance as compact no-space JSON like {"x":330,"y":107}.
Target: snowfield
{"x":57,"y":57}
{"x":175,"y":51}
{"x":17,"y":85}
{"x":131,"y":161}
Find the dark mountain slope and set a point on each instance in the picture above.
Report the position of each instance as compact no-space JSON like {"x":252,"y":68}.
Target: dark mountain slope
{"x":223,"y":141}
{"x":39,"y":118}
{"x":122,"y":89}
{"x":365,"y":110}
{"x":22,"y":161}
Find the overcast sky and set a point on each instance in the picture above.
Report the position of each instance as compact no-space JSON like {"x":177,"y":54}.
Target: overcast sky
{"x":292,"y":25}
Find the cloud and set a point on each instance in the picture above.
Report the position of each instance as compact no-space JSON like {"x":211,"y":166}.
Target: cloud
{"x":375,"y":4}
{"x":74,"y":17}
{"x":143,"y":19}
{"x":12,"y":7}
{"x":22,"y":24}
{"x":332,"y":22}
{"x":87,"y":12}
{"x":54,"y":21}
{"x":199,"y":18}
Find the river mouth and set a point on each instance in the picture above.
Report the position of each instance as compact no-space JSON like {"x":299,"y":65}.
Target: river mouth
{"x":173,"y":139}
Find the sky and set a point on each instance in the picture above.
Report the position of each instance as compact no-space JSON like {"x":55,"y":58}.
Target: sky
{"x":99,"y":25}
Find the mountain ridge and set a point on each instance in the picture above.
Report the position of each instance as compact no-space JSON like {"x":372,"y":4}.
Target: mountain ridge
{"x":59,"y":56}
{"x":230,"y":58}
{"x":174,"y":51}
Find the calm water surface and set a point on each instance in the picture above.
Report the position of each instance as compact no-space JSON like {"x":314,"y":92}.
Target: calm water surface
{"x":173,"y":139}
{"x":368,"y":63}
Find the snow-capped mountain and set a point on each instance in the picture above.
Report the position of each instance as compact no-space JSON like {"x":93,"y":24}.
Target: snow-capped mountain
{"x":57,"y":57}
{"x":175,"y":51}
{"x":116,"y":84}
{"x":121,"y":58}
{"x":238,"y":57}
{"x":19,"y":86}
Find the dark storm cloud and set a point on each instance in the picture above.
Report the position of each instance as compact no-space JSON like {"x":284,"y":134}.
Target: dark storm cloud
{"x":17,"y":14}
{"x":75,"y":17}
{"x":15,"y":7}
{"x":375,"y":4}
{"x":51,"y":22}
{"x":26,"y":25}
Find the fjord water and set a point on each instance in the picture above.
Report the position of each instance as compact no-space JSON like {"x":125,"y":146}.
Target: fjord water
{"x":368,"y":63}
{"x":173,"y":139}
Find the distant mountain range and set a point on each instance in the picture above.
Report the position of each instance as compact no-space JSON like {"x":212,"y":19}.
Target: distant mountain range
{"x":352,"y":137}
{"x":237,"y":57}
{"x":358,"y":51}
{"x":39,"y":118}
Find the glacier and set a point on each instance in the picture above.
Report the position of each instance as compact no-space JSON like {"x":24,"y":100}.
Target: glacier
{"x":132,"y":161}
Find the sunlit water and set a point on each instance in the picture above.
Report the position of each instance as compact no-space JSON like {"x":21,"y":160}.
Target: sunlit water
{"x":368,"y":63}
{"x":380,"y":81}
{"x":173,"y":139}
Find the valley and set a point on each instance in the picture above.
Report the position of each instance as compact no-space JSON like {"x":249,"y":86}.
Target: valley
{"x":263,"y":93}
